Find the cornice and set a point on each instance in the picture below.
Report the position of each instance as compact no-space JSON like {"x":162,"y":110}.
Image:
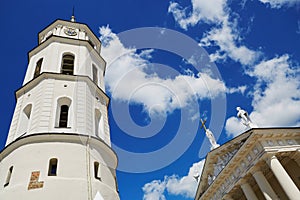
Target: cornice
{"x":57,"y":76}
{"x":57,"y":137}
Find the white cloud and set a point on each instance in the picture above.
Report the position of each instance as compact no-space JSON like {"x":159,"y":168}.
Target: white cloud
{"x":224,"y":33}
{"x":276,"y":95}
{"x":186,"y":185}
{"x":112,"y":48}
{"x":128,"y":79}
{"x":234,"y":127}
{"x":276,"y":4}
{"x":174,"y":185}
{"x":207,"y":11}
{"x":154,"y":190}
{"x":227,"y":38}
{"x":239,"y":89}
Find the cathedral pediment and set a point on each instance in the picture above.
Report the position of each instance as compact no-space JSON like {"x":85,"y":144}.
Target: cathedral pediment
{"x":225,"y":165}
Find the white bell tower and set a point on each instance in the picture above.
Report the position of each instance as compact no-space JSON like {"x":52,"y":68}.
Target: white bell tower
{"x":58,"y":146}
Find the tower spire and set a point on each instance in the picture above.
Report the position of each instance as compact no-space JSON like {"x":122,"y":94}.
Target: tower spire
{"x":73,"y":16}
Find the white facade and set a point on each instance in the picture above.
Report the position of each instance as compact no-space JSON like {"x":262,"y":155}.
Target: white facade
{"x":58,"y":146}
{"x":262,"y":163}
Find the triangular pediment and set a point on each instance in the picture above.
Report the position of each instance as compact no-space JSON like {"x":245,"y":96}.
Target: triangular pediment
{"x":217,"y":159}
{"x":243,"y":151}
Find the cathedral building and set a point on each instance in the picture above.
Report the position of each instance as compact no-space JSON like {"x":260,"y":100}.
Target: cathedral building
{"x":58,"y":145}
{"x":261,"y":163}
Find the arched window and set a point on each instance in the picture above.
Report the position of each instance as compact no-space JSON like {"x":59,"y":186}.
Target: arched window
{"x":63,"y":117}
{"x":67,"y":64}
{"x":95,"y":74}
{"x":8,"y":177}
{"x":24,"y":119}
{"x":99,"y":124}
{"x":97,"y":171}
{"x":27,"y":110}
{"x":52,"y":171}
{"x":38,"y":67}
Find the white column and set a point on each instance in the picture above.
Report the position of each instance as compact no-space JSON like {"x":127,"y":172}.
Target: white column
{"x":283,"y":178}
{"x":264,"y":186}
{"x":249,"y":193}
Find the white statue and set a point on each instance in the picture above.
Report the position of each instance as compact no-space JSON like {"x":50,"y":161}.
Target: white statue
{"x":243,"y":115}
{"x":210,"y":136}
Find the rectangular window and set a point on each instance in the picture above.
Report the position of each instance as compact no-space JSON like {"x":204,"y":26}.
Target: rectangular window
{"x":95,"y":75}
{"x":68,"y":64}
{"x":52,"y":171}
{"x":63,"y":118}
{"x":38,"y":68}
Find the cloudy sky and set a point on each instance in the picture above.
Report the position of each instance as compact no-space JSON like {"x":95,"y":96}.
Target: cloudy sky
{"x":170,"y":63}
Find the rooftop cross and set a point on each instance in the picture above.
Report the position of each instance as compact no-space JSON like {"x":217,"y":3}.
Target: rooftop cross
{"x":203,"y":124}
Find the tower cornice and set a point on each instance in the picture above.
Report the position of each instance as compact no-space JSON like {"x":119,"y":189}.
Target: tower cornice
{"x":47,"y":75}
{"x":75,"y":26}
{"x":58,"y":137}
{"x":71,"y":41}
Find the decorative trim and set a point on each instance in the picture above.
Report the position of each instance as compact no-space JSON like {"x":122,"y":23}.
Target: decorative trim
{"x":34,"y":182}
{"x":70,"y":31}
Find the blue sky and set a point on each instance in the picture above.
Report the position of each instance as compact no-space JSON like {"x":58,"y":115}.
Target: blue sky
{"x":197,"y":59}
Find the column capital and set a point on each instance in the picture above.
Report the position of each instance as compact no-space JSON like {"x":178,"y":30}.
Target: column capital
{"x":255,"y":169}
{"x":270,"y":156}
{"x":244,"y":180}
{"x":227,"y":197}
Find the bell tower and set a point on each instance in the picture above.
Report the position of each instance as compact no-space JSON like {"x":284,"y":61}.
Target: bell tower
{"x":58,"y":146}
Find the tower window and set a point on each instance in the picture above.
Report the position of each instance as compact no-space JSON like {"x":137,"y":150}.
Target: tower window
{"x":95,"y":74}
{"x":67,"y":64}
{"x":52,"y":171}
{"x":97,"y":122}
{"x":63,"y":117}
{"x":8,"y":177}
{"x":38,"y":66}
{"x":25,"y":119}
{"x":97,"y":170}
{"x":27,"y":110}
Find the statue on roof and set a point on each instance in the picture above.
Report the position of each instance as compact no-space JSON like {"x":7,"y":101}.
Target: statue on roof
{"x":209,"y":135}
{"x":245,"y":119}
